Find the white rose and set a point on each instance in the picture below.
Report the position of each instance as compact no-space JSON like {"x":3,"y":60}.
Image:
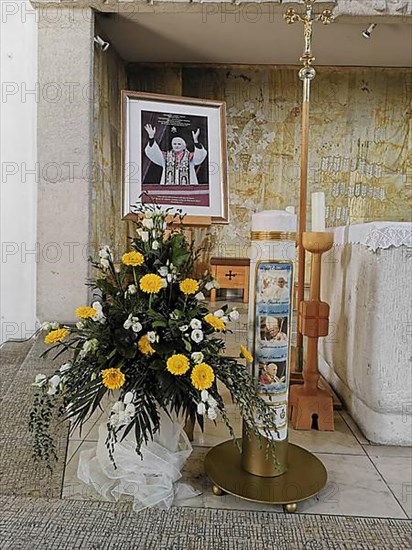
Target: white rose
{"x":195,"y":323}
{"x":219,"y":313}
{"x":155,"y":245}
{"x":197,"y":335}
{"x":234,"y":315}
{"x":55,"y":380}
{"x":128,"y":398}
{"x":201,"y":408}
{"x":128,"y":323}
{"x":136,"y":327}
{"x":184,"y":328}
{"x":151,"y":336}
{"x":225,"y":319}
{"x":40,"y":379}
{"x":211,"y":401}
{"x":130,"y":409}
{"x":200,"y":296}
{"x":197,"y":357}
{"x":204,"y":395}
{"x":148,"y":223}
{"x":163,"y":271}
{"x":65,"y":367}
{"x":118,"y":407}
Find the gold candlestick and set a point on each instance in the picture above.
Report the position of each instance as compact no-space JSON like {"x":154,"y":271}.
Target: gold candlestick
{"x":308,"y":400}
{"x":306,"y":74}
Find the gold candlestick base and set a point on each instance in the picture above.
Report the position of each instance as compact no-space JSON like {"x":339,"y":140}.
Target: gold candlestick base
{"x":304,"y":478}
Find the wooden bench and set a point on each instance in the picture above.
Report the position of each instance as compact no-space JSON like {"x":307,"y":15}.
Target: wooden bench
{"x":231,"y":273}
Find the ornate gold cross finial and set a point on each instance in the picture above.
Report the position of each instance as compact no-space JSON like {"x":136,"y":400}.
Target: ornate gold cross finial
{"x":326,"y":17}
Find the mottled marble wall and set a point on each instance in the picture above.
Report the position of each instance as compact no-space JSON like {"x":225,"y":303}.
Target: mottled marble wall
{"x":360,"y":138}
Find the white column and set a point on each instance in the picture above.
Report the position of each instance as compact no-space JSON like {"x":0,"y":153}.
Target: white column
{"x":18,"y":62}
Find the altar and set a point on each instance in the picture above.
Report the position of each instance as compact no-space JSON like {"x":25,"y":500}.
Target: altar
{"x":366,"y":356}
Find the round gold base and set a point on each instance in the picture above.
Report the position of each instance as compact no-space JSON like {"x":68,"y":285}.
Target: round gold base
{"x":304,"y":478}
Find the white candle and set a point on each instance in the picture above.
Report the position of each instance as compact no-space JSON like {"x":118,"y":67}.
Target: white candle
{"x":318,"y":211}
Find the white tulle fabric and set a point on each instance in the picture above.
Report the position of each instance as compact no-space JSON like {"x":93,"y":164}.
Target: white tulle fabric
{"x":150,"y":480}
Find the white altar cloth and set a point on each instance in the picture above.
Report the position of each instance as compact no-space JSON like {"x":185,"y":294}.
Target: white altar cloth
{"x":375,"y":235}
{"x":366,"y":279}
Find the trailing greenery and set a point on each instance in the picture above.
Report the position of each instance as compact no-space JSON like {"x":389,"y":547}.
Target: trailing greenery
{"x":150,"y":338}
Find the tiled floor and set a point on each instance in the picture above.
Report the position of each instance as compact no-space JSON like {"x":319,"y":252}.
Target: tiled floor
{"x":363,"y":479}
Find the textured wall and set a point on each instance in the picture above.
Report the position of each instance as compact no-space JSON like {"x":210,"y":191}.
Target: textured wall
{"x":360,"y":132}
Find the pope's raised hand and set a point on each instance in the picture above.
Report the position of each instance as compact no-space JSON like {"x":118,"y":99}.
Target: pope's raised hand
{"x":195,"y":135}
{"x":150,"y":131}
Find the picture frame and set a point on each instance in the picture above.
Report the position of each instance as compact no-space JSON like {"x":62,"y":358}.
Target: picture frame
{"x":174,"y":155}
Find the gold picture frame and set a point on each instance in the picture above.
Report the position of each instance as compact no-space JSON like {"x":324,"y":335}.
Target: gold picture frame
{"x":174,"y":155}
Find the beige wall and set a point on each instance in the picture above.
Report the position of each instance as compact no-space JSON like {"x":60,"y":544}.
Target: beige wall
{"x":360,"y":131}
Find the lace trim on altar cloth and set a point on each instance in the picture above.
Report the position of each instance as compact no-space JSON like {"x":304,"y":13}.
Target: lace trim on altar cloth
{"x":375,"y":235}
{"x":149,"y":480}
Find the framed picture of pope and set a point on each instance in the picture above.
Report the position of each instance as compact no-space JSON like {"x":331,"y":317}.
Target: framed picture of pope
{"x":174,"y":154}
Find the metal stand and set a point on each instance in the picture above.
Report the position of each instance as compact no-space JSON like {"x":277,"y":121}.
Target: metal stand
{"x":304,"y":477}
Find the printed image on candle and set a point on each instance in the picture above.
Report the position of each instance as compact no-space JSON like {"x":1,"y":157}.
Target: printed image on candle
{"x":272,"y":377}
{"x":274,"y":329}
{"x":274,"y":287}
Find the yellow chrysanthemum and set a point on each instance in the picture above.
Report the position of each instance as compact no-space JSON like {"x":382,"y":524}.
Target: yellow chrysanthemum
{"x":144,"y":346}
{"x":151,"y":283}
{"x":189,"y":286}
{"x":56,"y":336}
{"x":215,"y":322}
{"x":113,"y":378}
{"x":246,"y":353}
{"x":202,"y":376}
{"x":133,"y":258}
{"x":84,"y":312}
{"x":177,"y":364}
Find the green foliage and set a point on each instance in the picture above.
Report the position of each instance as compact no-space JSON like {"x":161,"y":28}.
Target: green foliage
{"x":125,"y":319}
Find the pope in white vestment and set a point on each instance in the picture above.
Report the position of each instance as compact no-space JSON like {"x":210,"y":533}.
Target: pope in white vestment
{"x":179,"y":163}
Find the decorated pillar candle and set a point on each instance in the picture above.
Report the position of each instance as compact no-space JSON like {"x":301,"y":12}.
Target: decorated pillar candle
{"x":270,"y":308}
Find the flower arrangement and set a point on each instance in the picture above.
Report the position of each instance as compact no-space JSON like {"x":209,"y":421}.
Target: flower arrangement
{"x":151,"y":337}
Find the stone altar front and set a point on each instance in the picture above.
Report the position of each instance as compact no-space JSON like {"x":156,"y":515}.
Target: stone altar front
{"x":367,"y":355}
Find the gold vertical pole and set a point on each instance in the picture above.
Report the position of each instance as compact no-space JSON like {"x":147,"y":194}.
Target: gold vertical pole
{"x":307,"y":73}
